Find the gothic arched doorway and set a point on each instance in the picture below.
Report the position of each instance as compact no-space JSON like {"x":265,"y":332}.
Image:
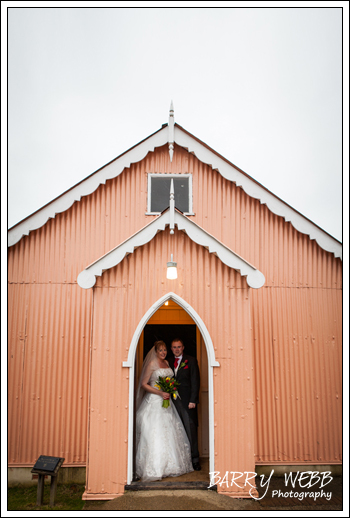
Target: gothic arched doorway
{"x":176,"y":312}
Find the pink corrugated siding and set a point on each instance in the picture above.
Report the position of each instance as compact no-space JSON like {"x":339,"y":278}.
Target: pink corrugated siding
{"x":49,"y":337}
{"x":108,"y":421}
{"x":298,"y":354}
{"x":50,"y":316}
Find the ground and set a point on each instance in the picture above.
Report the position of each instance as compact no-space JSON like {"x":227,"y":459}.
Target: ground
{"x":167,"y":499}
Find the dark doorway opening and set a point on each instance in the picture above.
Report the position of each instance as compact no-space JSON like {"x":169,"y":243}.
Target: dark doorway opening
{"x":167,"y":333}
{"x":194,"y":346}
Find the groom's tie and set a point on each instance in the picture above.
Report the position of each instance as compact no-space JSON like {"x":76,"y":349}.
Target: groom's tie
{"x":176,"y":362}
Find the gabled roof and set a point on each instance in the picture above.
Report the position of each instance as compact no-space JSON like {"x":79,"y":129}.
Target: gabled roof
{"x":87,"y":278}
{"x":87,"y":186}
{"x":169,"y":134}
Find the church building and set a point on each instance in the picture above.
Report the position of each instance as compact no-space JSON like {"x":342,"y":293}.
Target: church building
{"x":256,"y":297}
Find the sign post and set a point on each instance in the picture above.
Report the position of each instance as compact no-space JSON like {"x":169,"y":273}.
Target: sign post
{"x":47,"y":466}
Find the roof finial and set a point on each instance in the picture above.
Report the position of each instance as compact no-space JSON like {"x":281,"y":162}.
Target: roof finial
{"x":172,"y":206}
{"x":171,"y":131}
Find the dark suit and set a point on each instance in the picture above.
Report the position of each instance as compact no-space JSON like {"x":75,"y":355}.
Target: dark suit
{"x":188,"y":377}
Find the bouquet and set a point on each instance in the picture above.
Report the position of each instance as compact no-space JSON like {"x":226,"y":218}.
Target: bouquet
{"x":168,"y":385}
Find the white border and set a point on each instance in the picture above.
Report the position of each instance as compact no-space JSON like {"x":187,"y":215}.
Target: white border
{"x":130,"y":363}
{"x":169,"y":175}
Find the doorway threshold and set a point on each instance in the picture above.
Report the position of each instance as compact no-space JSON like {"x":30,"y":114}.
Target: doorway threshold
{"x":192,"y":480}
{"x":159,"y":484}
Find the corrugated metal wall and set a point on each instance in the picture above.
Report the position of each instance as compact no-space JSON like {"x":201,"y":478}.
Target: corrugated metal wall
{"x":48,"y":372}
{"x":298,"y":384}
{"x":301,"y":297}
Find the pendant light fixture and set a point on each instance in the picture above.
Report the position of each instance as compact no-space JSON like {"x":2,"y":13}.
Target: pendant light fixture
{"x":171,"y":272}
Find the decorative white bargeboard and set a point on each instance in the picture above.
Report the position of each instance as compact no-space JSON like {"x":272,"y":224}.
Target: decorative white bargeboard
{"x":87,"y":278}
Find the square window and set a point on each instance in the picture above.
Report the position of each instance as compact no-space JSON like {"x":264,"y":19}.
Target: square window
{"x":159,"y":192}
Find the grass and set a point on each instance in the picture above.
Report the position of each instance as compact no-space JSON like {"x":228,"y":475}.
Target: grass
{"x":68,"y":498}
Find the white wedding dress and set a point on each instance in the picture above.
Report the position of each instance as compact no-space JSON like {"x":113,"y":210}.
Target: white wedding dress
{"x":162,"y":445}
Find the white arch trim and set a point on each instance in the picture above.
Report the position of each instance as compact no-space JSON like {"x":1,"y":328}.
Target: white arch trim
{"x":130,"y":363}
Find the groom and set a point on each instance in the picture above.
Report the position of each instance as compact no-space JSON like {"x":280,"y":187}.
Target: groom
{"x":187,"y":374}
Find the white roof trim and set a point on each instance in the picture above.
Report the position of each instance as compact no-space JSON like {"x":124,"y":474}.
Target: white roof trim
{"x":205,"y":155}
{"x":253,"y":189}
{"x":87,"y":278}
{"x":87,"y":186}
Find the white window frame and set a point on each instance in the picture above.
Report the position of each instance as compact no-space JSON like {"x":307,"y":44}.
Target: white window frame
{"x":169,"y":175}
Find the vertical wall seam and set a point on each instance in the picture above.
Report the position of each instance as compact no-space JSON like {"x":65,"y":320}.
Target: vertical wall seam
{"x":17,"y":456}
{"x":89,"y":397}
{"x":274,"y":386}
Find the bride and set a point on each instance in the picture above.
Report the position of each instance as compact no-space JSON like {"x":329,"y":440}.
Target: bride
{"x":162,"y":445}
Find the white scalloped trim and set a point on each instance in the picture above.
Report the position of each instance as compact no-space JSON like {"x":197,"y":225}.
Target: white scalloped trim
{"x":87,"y":278}
{"x":254,"y":190}
{"x":206,"y":156}
{"x":88,"y":186}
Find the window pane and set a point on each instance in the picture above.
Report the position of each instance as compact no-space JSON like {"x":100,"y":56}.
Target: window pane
{"x":181,"y":194}
{"x":160,"y":193}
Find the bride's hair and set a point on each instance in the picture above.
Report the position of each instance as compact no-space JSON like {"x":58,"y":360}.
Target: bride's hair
{"x":158,"y":344}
